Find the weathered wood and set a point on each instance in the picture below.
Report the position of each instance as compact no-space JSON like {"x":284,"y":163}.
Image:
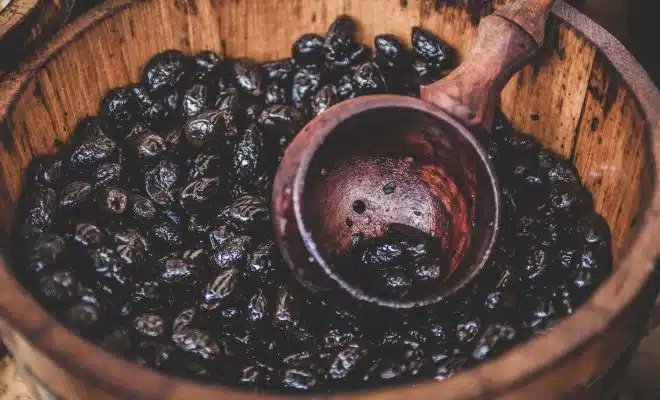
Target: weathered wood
{"x":24,"y":24}
{"x":15,"y":12}
{"x":505,"y":42}
{"x":584,"y":75}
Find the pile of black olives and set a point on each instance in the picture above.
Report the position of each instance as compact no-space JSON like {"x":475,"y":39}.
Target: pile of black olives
{"x":149,"y":231}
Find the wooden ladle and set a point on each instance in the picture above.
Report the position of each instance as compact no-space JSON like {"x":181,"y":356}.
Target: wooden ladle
{"x":367,"y":164}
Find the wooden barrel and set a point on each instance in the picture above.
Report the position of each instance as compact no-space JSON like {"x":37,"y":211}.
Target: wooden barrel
{"x":25,"y":24}
{"x":585,"y":97}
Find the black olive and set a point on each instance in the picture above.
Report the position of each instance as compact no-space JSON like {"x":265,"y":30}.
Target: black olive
{"x":262,"y":186}
{"x":523,"y":143}
{"x":197,"y":342}
{"x":430,"y":48}
{"x":390,"y":52}
{"x":167,"y":234}
{"x":154,"y":354}
{"x":340,"y":336}
{"x":195,"y":100}
{"x":205,"y":165}
{"x":87,"y":235}
{"x":323,"y":99}
{"x":593,"y":230}
{"x":132,"y":246}
{"x":535,"y":265}
{"x":369,"y":80}
{"x":207,"y":128}
{"x":347,"y":360}
{"x":84,"y":317}
{"x":306,"y":82}
{"x":569,"y":199}
{"x":200,"y":193}
{"x":86,"y":128}
{"x":286,"y":315}
{"x":107,"y":174}
{"x":249,"y":77}
{"x":112,"y":200}
{"x":118,"y":341}
{"x":280,"y":71}
{"x":92,"y":151}
{"x":109,"y":265}
{"x":184,"y":319}
{"x":222,"y":286}
{"x":173,"y":140}
{"x":207,"y":67}
{"x":253,"y":112}
{"x":198,"y":225}
{"x":149,"y":295}
{"x":220,"y":234}
{"x":176,"y":270}
{"x":45,"y":170}
{"x":172,"y":100}
{"x":429,"y":269}
{"x":74,"y":194}
{"x":341,"y":35}
{"x":150,"y":325}
{"x":282,"y":121}
{"x":380,"y":252}
{"x":148,"y":146}
{"x":263,"y":262}
{"x":558,"y":169}
{"x":58,"y":286}
{"x":156,"y":114}
{"x":257,"y":307}
{"x":495,"y":339}
{"x":308,"y":49}
{"x":120,"y":109}
{"x":539,"y":314}
{"x":160,"y":182}
{"x":229,"y":105}
{"x":233,"y":251}
{"x":256,"y":374}
{"x":299,"y":379}
{"x":275,"y":94}
{"x":426,"y":73}
{"x":447,"y":366}
{"x":249,"y":155}
{"x":248,"y":214}
{"x":468,"y":328}
{"x":142,"y":208}
{"x":346,"y":87}
{"x":165,"y":70}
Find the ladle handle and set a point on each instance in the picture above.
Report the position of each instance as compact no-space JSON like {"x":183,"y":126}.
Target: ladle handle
{"x":505,"y":42}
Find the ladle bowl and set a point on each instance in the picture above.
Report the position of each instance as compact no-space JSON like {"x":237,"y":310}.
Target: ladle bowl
{"x":386,"y":160}
{"x":382,"y":160}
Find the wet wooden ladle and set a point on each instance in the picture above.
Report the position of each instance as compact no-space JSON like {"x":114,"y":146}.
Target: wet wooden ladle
{"x":379,"y":160}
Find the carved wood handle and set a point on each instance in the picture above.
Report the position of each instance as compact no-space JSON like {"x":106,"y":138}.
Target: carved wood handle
{"x":505,"y":42}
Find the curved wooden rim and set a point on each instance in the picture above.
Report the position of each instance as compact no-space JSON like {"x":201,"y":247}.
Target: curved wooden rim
{"x":516,"y":367}
{"x":14,"y":13}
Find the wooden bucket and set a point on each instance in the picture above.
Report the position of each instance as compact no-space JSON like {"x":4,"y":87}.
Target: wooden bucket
{"x":24,"y":24}
{"x":584,"y":97}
